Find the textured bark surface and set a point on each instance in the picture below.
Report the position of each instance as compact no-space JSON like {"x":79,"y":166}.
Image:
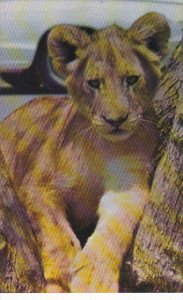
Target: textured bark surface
{"x":156,"y":260}
{"x":20,"y":270}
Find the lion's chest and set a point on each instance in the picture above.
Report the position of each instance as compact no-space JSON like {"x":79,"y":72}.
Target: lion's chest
{"x":94,"y":174}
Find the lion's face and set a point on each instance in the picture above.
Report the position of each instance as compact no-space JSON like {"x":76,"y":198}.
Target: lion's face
{"x":112,"y":74}
{"x":112,"y":84}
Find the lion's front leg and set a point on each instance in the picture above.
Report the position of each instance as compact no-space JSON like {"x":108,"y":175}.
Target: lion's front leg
{"x":57,"y":242}
{"x":58,"y":248}
{"x":97,"y":267}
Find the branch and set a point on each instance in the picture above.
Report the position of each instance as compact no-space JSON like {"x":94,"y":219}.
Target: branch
{"x":156,"y":259}
{"x":20,"y":270}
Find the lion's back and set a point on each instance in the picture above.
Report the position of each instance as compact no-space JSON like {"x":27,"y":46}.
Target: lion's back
{"x":25,"y":130}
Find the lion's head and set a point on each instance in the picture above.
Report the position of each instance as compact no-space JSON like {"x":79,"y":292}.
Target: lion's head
{"x":113,"y":73}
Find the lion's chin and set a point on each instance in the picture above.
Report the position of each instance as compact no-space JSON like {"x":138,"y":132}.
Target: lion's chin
{"x":115,"y":135}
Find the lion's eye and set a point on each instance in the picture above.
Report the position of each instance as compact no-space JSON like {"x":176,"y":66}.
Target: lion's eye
{"x":94,"y":83}
{"x":131,"y":80}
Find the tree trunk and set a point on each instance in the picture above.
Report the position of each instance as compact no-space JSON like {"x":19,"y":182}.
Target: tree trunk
{"x":155,"y":262}
{"x":20,"y":270}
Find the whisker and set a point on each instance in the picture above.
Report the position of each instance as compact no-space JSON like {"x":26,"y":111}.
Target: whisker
{"x":86,"y":132}
{"x":148,"y":121}
{"x":83,"y":132}
{"x":89,"y":137}
{"x":132,"y":120}
{"x":140,"y":130}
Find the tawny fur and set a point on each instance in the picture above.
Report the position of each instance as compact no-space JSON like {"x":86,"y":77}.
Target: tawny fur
{"x":68,"y":166}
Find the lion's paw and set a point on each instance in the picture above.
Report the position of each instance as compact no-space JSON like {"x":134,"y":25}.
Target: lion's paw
{"x":91,"y":274}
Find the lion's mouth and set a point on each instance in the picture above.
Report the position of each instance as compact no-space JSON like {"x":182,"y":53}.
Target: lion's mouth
{"x":117,"y":131}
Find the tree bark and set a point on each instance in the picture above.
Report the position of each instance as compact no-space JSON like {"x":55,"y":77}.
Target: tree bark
{"x":155,"y":262}
{"x":20,"y":270}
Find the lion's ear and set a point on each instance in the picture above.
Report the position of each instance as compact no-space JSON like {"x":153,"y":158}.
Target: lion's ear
{"x":63,"y":42}
{"x":154,"y":31}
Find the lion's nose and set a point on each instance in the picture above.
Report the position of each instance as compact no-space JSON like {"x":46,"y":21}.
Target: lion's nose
{"x":117,"y":122}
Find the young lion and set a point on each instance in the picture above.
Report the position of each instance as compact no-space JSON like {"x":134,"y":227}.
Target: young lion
{"x":86,"y":158}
